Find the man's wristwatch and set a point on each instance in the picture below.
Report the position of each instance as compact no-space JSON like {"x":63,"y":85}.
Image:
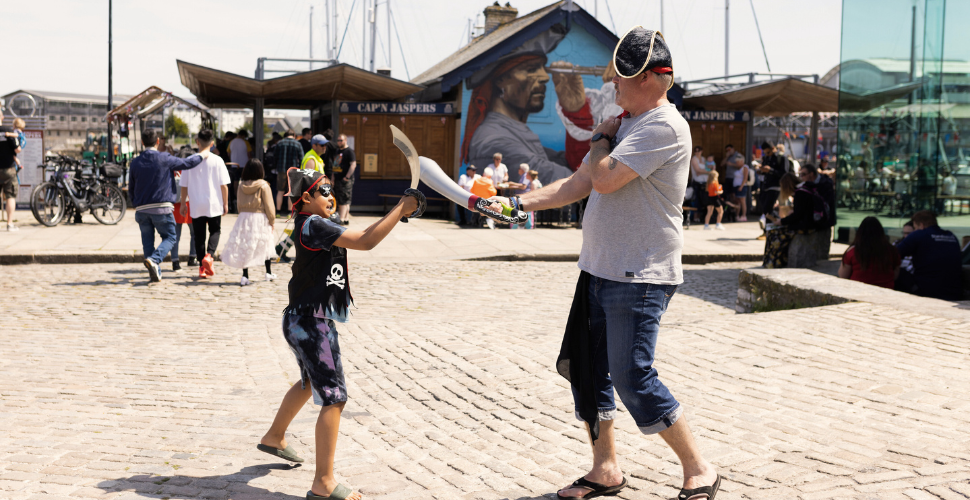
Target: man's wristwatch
{"x":600,"y":135}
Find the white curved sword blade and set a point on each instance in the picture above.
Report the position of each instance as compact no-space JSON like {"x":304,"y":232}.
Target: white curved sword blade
{"x":404,"y":144}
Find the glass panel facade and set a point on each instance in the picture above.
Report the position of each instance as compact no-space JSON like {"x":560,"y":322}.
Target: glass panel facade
{"x":904,"y":113}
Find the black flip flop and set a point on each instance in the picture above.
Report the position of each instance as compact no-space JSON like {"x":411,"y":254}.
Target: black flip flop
{"x":287,"y":453}
{"x":710,"y":491}
{"x":341,"y":492}
{"x":596,"y":489}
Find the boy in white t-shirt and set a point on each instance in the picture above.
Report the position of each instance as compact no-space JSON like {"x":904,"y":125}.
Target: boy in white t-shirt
{"x":206,"y":188}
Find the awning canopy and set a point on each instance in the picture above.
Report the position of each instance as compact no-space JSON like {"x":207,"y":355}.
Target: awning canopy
{"x":149,"y":101}
{"x":219,"y":89}
{"x":860,"y":102}
{"x":771,"y":98}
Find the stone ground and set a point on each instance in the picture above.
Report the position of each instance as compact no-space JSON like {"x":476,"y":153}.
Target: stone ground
{"x":419,"y":240}
{"x":110,"y":388}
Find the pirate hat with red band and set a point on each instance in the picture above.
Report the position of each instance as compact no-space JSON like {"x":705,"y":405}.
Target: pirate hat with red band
{"x":642,"y":50}
{"x":301,"y":181}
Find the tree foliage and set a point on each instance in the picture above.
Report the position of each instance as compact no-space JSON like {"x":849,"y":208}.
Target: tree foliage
{"x":175,"y":127}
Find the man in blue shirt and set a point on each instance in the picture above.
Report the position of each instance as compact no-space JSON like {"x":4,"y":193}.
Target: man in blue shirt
{"x":935,"y":254}
{"x":151,"y":183}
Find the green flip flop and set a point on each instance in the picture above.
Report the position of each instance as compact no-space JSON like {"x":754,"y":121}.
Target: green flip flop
{"x":287,"y":453}
{"x":341,"y":492}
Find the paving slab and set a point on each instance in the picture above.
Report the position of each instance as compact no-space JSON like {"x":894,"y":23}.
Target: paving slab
{"x":419,"y":240}
{"x":113,"y":388}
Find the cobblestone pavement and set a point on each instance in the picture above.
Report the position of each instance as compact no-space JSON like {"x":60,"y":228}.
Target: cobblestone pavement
{"x":110,"y":388}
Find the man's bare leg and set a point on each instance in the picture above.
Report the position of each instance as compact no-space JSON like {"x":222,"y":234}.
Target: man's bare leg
{"x":11,"y":206}
{"x":697,"y":471}
{"x":328,"y":423}
{"x":344,"y":211}
{"x":295,"y":398}
{"x":606,"y":469}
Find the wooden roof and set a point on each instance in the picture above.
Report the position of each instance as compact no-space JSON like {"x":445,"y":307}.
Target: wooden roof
{"x":772,"y":98}
{"x":219,"y":89}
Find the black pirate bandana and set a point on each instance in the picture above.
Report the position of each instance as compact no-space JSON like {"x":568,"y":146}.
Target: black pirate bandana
{"x":642,"y":50}
{"x":301,"y":181}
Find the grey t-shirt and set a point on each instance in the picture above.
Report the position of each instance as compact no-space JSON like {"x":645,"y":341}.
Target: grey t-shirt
{"x":635,"y":234}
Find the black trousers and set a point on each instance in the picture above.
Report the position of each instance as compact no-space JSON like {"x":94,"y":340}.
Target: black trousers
{"x":199,"y":224}
{"x":767,"y":200}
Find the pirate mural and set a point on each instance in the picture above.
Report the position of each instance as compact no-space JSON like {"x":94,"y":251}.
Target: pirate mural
{"x":509,"y":111}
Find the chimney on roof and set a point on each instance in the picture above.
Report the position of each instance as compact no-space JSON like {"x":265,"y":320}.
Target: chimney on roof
{"x":497,"y":15}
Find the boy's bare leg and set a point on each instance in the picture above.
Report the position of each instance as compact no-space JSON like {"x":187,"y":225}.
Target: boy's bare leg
{"x":697,"y":471}
{"x":295,"y":398}
{"x":606,"y":469}
{"x":328,"y":423}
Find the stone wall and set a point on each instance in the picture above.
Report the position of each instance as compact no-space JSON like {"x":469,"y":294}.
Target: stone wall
{"x":759,"y":292}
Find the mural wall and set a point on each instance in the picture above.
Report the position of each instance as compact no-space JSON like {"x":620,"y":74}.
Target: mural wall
{"x":520,"y":107}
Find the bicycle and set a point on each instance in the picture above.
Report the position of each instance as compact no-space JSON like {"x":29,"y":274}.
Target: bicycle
{"x":75,"y":186}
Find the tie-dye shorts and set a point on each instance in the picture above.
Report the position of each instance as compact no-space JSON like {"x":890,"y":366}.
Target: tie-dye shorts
{"x":313,"y":341}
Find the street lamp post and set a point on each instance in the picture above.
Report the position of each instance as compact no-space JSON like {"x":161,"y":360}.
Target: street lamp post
{"x":111,"y":151}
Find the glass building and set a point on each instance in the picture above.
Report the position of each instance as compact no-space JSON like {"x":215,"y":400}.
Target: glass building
{"x":904,"y":113}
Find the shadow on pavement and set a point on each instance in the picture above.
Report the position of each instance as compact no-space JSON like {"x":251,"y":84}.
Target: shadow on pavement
{"x":717,"y":286}
{"x":152,"y":486}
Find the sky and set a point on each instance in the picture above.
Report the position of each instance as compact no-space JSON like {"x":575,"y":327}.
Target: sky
{"x":63,"y":44}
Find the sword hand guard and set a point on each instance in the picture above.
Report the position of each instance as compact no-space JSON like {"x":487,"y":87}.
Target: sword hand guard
{"x":422,"y":204}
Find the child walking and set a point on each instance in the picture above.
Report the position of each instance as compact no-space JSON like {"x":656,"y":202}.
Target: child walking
{"x":714,"y":200}
{"x":251,"y":240}
{"x":319,"y":294}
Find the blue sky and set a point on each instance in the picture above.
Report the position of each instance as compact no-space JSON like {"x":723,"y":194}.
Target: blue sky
{"x":62,"y":44}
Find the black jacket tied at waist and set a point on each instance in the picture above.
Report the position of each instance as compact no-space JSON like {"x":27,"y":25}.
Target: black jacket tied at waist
{"x":575,"y":361}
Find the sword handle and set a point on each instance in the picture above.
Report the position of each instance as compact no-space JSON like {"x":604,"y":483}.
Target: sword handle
{"x":508,"y":214}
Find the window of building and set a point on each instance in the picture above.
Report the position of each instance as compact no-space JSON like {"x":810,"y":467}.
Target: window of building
{"x":79,"y":105}
{"x":84,"y":119}
{"x":73,"y":118}
{"x":62,"y":118}
{"x":53,"y":118}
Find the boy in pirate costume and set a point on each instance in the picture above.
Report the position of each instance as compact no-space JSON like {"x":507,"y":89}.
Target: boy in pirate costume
{"x":319,"y":294}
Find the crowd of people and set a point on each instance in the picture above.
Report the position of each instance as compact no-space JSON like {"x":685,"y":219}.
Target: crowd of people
{"x":494,"y":180}
{"x":197,"y":186}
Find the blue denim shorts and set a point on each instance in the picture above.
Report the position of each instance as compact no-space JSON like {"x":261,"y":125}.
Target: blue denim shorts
{"x":624,"y":323}
{"x":313,"y":340}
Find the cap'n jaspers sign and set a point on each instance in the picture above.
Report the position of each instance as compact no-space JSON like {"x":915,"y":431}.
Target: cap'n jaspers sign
{"x":716,"y":116}
{"x":399,"y":108}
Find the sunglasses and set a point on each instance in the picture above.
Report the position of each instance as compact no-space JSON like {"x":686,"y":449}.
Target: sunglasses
{"x":323,"y":189}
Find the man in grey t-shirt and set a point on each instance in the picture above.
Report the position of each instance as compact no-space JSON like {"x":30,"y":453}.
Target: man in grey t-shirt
{"x":635,"y":176}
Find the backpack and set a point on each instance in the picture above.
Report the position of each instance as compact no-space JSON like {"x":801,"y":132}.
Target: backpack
{"x":820,"y":208}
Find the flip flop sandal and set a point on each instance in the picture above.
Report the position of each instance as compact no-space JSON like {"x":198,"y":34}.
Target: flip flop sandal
{"x":596,"y":489}
{"x":710,"y":491}
{"x":341,"y":492}
{"x":287,"y":453}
